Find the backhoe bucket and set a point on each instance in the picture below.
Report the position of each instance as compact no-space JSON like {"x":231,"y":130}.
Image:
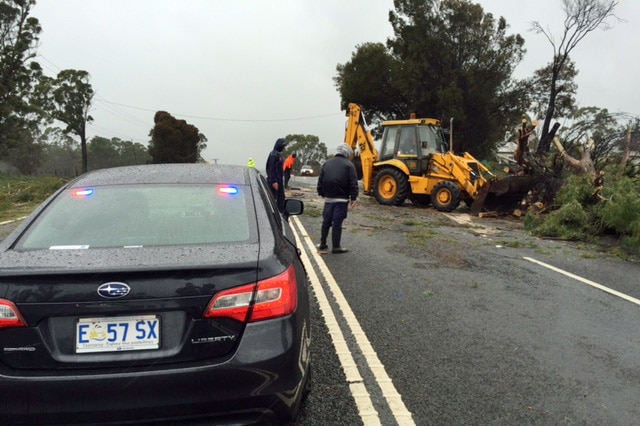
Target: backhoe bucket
{"x":503,"y":194}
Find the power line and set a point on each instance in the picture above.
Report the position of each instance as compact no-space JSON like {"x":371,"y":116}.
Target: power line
{"x":52,"y":64}
{"x":231,"y":119}
{"x":123,"y":137}
{"x":112,"y":108}
{"x":109,"y":107}
{"x":120,"y":113}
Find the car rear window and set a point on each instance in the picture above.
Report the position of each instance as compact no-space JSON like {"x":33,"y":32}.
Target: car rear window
{"x":146,"y":215}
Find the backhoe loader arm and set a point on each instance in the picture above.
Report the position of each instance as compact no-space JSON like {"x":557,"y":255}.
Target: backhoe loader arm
{"x":357,"y":135}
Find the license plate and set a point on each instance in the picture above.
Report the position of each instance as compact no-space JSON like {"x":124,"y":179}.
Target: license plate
{"x":117,"y":334}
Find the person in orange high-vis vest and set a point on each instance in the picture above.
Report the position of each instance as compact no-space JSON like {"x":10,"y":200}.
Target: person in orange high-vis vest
{"x":287,"y":168}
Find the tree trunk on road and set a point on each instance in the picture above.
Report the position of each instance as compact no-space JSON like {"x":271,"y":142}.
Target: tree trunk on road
{"x":584,"y":164}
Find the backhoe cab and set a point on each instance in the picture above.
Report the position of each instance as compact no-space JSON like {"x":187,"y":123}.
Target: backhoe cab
{"x":416,"y":161}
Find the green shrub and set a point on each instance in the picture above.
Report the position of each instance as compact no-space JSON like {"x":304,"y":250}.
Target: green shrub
{"x":620,"y":206}
{"x":576,"y":188}
{"x":5,"y":203}
{"x":586,"y":215}
{"x":20,"y":195}
{"x":573,"y":219}
{"x":570,"y":222}
{"x":532,"y":221}
{"x":24,"y":197}
{"x":633,"y":239}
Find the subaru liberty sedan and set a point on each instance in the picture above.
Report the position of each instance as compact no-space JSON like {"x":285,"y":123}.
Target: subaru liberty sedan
{"x":155,"y":294}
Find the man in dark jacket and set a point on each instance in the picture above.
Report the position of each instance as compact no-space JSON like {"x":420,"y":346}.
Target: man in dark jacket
{"x":275,"y":174}
{"x":338,"y":185}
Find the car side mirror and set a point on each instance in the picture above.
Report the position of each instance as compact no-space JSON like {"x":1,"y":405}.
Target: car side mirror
{"x":293,"y":206}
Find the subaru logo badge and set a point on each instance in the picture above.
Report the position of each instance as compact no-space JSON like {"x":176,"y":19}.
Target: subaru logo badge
{"x":113,"y":290}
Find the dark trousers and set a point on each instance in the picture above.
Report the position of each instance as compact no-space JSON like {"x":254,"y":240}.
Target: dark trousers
{"x":333,"y":215}
{"x":279,"y":196}
{"x":287,"y":176}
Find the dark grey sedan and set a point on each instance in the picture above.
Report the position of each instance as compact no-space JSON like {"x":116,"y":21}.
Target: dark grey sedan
{"x":157,"y":293}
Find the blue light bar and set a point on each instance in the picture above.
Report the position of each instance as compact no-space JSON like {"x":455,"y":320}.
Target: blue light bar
{"x":82,"y":193}
{"x":232,"y":190}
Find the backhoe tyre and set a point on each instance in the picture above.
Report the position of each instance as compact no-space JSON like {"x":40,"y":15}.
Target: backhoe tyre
{"x":391,"y":187}
{"x":445,"y":196}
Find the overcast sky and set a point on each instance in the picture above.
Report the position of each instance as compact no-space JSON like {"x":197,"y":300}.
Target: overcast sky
{"x":246,"y":72}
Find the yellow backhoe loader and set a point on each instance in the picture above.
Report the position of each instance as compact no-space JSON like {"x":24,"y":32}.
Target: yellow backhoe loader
{"x":416,"y":161}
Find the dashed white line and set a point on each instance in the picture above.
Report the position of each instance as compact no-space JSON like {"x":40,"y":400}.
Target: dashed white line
{"x":586,"y":281}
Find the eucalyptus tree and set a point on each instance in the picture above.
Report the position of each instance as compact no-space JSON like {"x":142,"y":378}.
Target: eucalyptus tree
{"x":19,"y":72}
{"x":61,"y":154}
{"x":581,"y":18}
{"x":104,"y":152}
{"x":447,"y":59}
{"x":565,"y":86}
{"x":368,"y":79}
{"x":308,"y":149}
{"x":67,"y":98}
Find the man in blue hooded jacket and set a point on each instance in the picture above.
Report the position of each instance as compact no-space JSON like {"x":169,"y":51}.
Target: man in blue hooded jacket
{"x":275,"y":174}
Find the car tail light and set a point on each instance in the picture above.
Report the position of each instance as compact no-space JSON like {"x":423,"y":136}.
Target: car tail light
{"x":274,"y":297}
{"x":10,"y":316}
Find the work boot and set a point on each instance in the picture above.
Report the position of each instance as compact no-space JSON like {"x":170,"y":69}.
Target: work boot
{"x":338,"y":250}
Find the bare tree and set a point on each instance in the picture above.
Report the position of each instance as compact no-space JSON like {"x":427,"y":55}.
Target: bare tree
{"x":581,"y":17}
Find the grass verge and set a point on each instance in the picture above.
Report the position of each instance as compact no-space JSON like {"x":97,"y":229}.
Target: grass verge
{"x":20,"y":195}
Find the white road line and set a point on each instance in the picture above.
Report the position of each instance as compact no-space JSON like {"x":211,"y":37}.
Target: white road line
{"x":6,"y":222}
{"x":586,"y":281}
{"x":359,"y":392}
{"x":366,"y":410}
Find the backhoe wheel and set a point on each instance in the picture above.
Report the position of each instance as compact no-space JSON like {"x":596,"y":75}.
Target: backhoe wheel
{"x":445,"y":196}
{"x":391,"y":187}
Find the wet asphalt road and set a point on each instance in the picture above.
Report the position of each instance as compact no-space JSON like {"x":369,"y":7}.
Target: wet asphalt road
{"x":471,"y":330}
